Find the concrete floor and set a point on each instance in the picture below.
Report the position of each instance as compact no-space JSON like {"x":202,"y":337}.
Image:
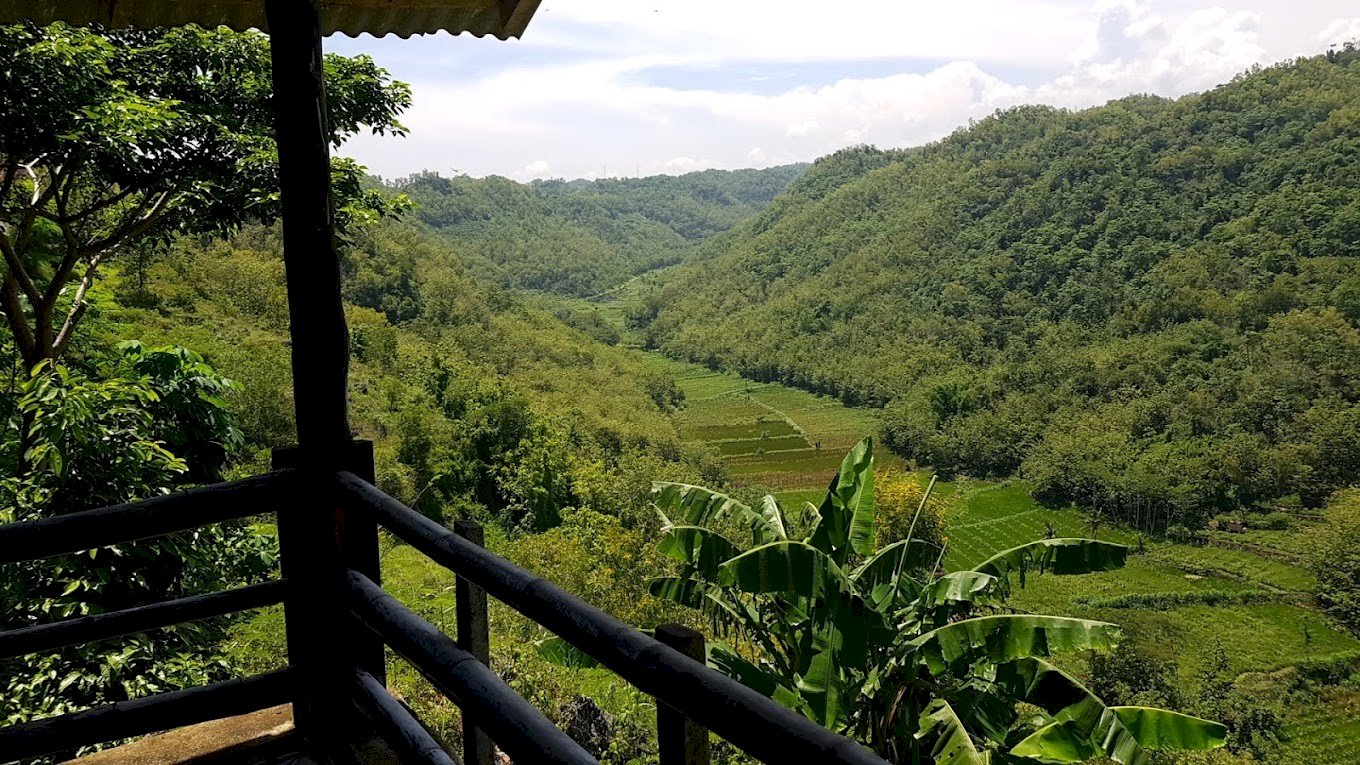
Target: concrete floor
{"x":266,"y":737}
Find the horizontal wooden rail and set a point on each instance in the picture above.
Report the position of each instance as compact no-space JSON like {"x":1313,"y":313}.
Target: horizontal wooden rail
{"x":754,"y":723}
{"x":399,"y":728}
{"x":31,"y":540}
{"x":513,"y":723}
{"x":88,"y":629}
{"x":146,"y":715}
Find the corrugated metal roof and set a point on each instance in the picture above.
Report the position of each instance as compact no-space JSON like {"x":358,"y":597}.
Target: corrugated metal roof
{"x":500,"y":18}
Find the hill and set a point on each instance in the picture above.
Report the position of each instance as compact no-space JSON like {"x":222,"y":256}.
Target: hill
{"x":1148,"y":307}
{"x":582,"y":237}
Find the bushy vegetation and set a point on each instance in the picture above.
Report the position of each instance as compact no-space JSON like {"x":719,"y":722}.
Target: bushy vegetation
{"x":1146,"y":307}
{"x":868,"y":640}
{"x":1338,"y":559}
{"x":128,"y":424}
{"x":586,"y":237}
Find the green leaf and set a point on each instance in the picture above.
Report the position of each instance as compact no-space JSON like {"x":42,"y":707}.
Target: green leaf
{"x":774,"y":515}
{"x":792,"y":568}
{"x":847,"y":512}
{"x":688,"y":505}
{"x":908,"y":555}
{"x":682,"y":590}
{"x":1124,"y":734}
{"x":1056,"y":556}
{"x":949,"y":741}
{"x":1058,"y":742}
{"x":1156,"y":728}
{"x":698,"y":547}
{"x":959,"y":587}
{"x":557,"y":651}
{"x":726,"y":661}
{"x":1009,"y":637}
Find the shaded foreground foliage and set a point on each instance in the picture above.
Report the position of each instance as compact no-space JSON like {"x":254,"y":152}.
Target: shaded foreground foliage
{"x":875,"y":642}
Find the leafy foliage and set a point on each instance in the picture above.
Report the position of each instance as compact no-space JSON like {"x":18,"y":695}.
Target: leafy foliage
{"x":1146,"y":307}
{"x":112,"y":137}
{"x":584,"y":238}
{"x":1338,"y":559}
{"x":77,"y":440}
{"x":871,"y":642}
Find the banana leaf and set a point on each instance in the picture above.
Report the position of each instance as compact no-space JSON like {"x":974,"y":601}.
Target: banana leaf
{"x":683,"y":590}
{"x":847,"y":512}
{"x":1063,"y":697}
{"x":697,"y":547}
{"x":682,"y":504}
{"x":787,"y":567}
{"x":1009,"y":637}
{"x":774,"y":516}
{"x":1124,"y":734}
{"x":908,"y":555}
{"x":959,"y":587}
{"x":949,"y":741}
{"x":726,"y":661}
{"x":1056,"y":556}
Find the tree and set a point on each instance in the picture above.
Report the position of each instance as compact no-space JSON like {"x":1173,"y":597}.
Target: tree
{"x":112,"y":137}
{"x":868,"y":641}
{"x":99,"y":439}
{"x":1338,"y":560}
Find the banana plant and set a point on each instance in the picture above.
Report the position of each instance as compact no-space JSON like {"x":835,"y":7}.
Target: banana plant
{"x":876,"y":643}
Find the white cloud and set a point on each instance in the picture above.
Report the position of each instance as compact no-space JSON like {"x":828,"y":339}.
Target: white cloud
{"x":1340,"y":31}
{"x":582,"y":93}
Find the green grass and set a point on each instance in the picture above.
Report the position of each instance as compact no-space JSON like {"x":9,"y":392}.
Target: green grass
{"x":1241,"y":564}
{"x":761,"y":445}
{"x":1323,"y":730}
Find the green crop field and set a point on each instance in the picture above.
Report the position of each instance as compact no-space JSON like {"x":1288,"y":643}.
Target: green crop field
{"x":1258,"y":594}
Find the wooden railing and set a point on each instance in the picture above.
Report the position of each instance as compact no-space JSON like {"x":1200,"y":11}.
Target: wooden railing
{"x":343,"y":672}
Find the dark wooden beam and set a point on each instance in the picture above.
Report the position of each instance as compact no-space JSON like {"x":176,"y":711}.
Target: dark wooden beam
{"x":758,"y":725}
{"x":679,"y":739}
{"x":398,"y":727}
{"x":88,"y":629}
{"x":320,"y":340}
{"x":516,"y":725}
{"x":145,"y":715}
{"x":88,"y":529}
{"x":312,"y":529}
{"x":474,"y":636}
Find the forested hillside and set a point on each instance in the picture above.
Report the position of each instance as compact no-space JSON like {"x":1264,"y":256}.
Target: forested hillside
{"x":479,"y":405}
{"x":584,"y":237}
{"x":1148,"y":307}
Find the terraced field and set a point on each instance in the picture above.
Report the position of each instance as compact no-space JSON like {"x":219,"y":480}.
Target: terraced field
{"x":782,"y":439}
{"x":1248,"y":593}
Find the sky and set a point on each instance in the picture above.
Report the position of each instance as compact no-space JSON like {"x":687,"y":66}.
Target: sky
{"x":609,"y":88}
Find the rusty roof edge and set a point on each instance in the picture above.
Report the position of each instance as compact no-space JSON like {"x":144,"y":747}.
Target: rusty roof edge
{"x":502,"y":19}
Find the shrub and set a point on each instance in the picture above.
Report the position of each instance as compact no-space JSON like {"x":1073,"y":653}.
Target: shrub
{"x":1338,"y":561}
{"x":897,"y":497}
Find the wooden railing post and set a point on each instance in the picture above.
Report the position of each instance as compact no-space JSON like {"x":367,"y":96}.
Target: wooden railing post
{"x":318,"y":541}
{"x":474,"y":636}
{"x":680,"y":740}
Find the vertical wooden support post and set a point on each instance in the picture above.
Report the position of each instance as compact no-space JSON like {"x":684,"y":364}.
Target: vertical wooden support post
{"x":316,"y":316}
{"x":316,"y":542}
{"x":680,"y":740}
{"x":354,"y":545}
{"x":474,"y":636}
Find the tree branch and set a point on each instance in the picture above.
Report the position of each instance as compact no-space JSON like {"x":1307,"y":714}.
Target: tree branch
{"x":16,"y":269}
{"x":77,"y":308}
{"x":138,"y":225}
{"x":14,"y":314}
